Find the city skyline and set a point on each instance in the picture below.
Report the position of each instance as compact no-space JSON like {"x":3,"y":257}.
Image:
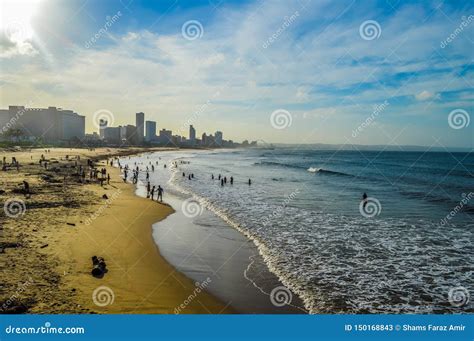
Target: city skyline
{"x":321,"y":73}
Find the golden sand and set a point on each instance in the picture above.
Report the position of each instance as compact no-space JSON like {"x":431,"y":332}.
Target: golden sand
{"x":67,"y":223}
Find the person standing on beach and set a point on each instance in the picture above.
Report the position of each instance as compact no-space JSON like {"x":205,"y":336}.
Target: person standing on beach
{"x":148,"y":188}
{"x":250,"y":182}
{"x":152,"y":192}
{"x":364,"y":199}
{"x":108,"y":179}
{"x":212,"y":176}
{"x":231,"y":180}
{"x":219,"y":177}
{"x":160,"y":194}
{"x":225,"y":179}
{"x":222,"y":182}
{"x":26,"y":188}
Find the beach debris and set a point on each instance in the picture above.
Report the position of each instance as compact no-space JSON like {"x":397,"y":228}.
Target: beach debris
{"x":5,"y":245}
{"x":71,"y":224}
{"x":43,"y":246}
{"x":99,"y":268}
{"x":105,"y":196}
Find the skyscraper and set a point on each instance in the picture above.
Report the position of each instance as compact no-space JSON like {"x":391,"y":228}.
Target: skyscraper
{"x":150,"y":131}
{"x":218,"y":138}
{"x":102,"y":125}
{"x":192,"y":135}
{"x":140,"y":124}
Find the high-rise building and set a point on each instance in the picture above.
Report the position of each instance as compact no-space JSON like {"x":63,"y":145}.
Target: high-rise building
{"x":150,"y":131}
{"x":192,"y":135}
{"x":129,"y":134}
{"x":140,"y":124}
{"x":218,"y":138}
{"x":102,"y":125}
{"x":51,"y":124}
{"x":166,"y":136}
{"x":113,"y":135}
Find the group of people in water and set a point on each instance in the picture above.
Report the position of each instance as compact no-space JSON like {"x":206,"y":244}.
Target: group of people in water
{"x":151,"y":190}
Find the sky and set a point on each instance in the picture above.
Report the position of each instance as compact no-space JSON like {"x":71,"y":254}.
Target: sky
{"x":358,"y":72}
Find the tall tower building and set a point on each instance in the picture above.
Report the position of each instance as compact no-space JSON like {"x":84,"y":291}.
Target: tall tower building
{"x":102,"y":126}
{"x":218,"y":138}
{"x":150,"y":131}
{"x":140,"y":124}
{"x":192,"y":134}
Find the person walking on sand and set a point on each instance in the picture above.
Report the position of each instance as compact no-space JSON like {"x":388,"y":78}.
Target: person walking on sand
{"x":108,"y":179}
{"x":152,"y":192}
{"x":160,"y":194}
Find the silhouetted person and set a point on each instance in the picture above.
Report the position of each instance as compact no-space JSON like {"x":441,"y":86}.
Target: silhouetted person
{"x":231,"y":180}
{"x":250,"y":182}
{"x":219,"y":176}
{"x":152,"y":192}
{"x":160,"y":193}
{"x":225,"y":179}
{"x":184,"y":174}
{"x":212,"y":176}
{"x":364,"y":199}
{"x":222,"y":182}
{"x":108,"y":179}
{"x":26,"y":188}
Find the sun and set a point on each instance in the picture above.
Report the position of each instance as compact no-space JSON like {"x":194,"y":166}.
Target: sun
{"x":16,"y":19}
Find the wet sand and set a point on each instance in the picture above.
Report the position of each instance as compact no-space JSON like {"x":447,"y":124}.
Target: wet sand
{"x":46,"y":251}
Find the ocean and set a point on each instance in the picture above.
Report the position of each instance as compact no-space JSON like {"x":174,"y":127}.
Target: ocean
{"x":408,"y":249}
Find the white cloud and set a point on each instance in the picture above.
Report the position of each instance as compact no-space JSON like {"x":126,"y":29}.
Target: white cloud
{"x":426,"y":95}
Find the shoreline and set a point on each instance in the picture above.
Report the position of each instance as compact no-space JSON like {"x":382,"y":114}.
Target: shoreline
{"x":210,"y":246}
{"x":63,"y":240}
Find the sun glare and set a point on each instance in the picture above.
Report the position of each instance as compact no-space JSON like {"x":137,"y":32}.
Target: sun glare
{"x":16,"y":19}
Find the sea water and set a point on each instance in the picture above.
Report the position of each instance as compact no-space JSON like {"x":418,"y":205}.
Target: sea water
{"x":409,"y":249}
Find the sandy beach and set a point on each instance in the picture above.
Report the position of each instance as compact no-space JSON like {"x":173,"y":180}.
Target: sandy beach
{"x":47,"y":244}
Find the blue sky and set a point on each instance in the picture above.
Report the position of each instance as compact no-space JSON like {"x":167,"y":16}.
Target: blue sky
{"x":310,"y":60}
